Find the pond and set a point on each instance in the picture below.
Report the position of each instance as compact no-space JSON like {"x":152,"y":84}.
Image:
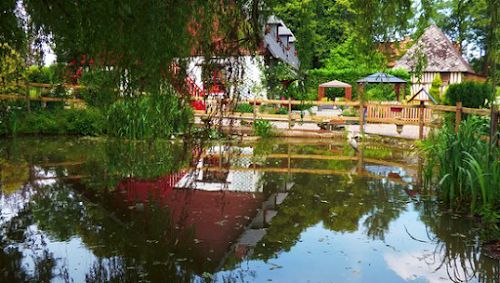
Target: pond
{"x":80,"y":209}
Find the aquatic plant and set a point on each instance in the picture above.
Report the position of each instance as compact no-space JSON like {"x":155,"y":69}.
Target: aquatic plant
{"x":155,"y":116}
{"x":263,"y":128}
{"x":462,"y":168}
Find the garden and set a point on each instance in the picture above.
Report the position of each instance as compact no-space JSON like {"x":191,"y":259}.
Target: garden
{"x":176,"y":142}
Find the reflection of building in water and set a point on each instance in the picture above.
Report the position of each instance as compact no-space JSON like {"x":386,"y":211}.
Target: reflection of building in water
{"x":213,"y":210}
{"x":224,"y":179}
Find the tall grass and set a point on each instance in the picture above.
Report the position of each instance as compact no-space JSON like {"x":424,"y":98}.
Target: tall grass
{"x":463,"y":169}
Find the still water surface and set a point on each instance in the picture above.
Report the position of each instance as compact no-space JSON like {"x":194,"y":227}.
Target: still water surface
{"x":76,"y":210}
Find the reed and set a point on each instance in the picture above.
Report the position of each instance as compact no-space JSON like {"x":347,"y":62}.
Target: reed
{"x":462,"y":168}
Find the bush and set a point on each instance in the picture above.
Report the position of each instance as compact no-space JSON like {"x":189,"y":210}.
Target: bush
{"x":45,"y":75}
{"x":282,"y":110}
{"x":244,"y":108}
{"x":263,"y":128}
{"x":435,"y":88}
{"x":87,"y":122}
{"x":471,"y":94}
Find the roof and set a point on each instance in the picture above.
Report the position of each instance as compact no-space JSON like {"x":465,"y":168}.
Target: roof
{"x":337,"y":84}
{"x":284,"y":31}
{"x":381,"y":78}
{"x":273,"y":20}
{"x":277,"y":49}
{"x":423,"y":95}
{"x":442,"y":56}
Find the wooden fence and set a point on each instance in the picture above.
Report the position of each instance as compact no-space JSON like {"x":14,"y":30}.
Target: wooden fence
{"x":367,"y":112}
{"x":422,"y":115}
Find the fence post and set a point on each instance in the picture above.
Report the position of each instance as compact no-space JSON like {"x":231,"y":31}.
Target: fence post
{"x":421,"y":120}
{"x":361,"y":117}
{"x":458,"y":116}
{"x":290,"y":112}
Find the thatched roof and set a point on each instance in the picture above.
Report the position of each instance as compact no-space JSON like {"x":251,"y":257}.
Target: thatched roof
{"x":441,"y":54}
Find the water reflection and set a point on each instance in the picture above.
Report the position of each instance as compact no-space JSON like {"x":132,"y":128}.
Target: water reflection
{"x":83,"y":209}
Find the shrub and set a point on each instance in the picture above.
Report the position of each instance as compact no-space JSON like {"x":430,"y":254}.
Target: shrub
{"x":45,"y":75}
{"x":435,"y":88}
{"x":282,"y":110}
{"x":88,"y":122}
{"x":471,"y":94}
{"x":244,"y":108}
{"x":263,"y":128}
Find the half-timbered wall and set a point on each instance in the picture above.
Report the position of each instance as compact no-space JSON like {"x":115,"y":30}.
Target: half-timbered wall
{"x":447,"y":78}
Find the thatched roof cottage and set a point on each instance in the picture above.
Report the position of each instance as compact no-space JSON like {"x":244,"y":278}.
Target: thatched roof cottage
{"x":442,"y":58}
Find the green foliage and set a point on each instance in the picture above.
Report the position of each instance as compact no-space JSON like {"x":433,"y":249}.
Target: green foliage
{"x":45,"y":75}
{"x":244,"y":108}
{"x":350,"y":76}
{"x":11,"y":69}
{"x":471,"y":94}
{"x":273,"y":75}
{"x":467,"y":172}
{"x":435,"y":88}
{"x":380,"y":92}
{"x":263,"y":128}
{"x":9,"y":112}
{"x":347,"y":56}
{"x":88,"y":122}
{"x":282,"y":110}
{"x":148,"y":117}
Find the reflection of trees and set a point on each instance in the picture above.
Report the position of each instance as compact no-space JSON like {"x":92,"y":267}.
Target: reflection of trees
{"x":140,"y":249}
{"x":457,"y":245}
{"x":130,"y":246}
{"x":336,"y":201}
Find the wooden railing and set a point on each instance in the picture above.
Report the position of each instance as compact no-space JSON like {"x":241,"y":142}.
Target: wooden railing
{"x":422,"y":115}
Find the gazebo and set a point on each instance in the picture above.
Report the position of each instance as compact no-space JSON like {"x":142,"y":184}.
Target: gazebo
{"x":335,"y":84}
{"x":383,"y":78}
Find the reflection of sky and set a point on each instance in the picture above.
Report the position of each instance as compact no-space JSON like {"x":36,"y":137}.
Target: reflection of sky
{"x":72,"y":255}
{"x":322,"y":255}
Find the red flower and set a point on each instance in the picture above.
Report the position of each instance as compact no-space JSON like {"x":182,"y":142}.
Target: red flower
{"x":83,"y":56}
{"x":72,"y":63}
{"x":91,"y":62}
{"x":83,"y":62}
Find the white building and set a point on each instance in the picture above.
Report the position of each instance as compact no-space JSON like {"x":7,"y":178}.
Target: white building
{"x":278,"y":44}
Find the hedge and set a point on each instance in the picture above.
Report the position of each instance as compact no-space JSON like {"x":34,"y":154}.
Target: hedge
{"x":350,"y":76}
